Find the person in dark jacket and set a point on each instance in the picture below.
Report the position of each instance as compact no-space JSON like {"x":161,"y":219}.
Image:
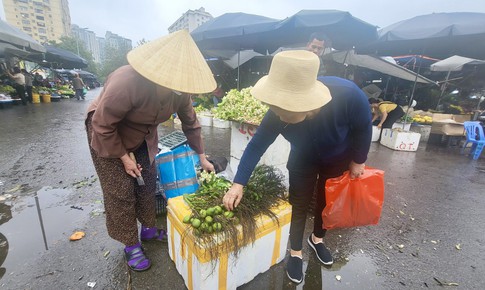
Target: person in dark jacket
{"x":328,"y":124}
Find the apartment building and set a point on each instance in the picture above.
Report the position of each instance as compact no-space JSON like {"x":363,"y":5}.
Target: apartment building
{"x":88,"y":39}
{"x":190,"y":20}
{"x":44,"y":20}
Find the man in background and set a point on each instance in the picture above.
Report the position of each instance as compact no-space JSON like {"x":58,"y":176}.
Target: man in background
{"x":28,"y":84}
{"x":19,"y":83}
{"x":317,"y":44}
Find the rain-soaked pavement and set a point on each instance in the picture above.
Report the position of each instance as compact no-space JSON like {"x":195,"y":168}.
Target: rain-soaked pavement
{"x":431,"y":233}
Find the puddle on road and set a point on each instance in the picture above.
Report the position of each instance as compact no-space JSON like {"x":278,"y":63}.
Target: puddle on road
{"x":21,"y":236}
{"x":359,"y":272}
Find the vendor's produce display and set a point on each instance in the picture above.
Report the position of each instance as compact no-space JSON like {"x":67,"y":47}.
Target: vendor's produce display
{"x":65,"y":91}
{"x":406,"y":119}
{"x":202,"y":103}
{"x":7,"y":90}
{"x":213,"y":248}
{"x":240,"y":106}
{"x":422,"y":119}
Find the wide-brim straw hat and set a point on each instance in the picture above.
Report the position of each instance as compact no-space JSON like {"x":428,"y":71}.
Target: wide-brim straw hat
{"x":292,"y":84}
{"x":175,"y":62}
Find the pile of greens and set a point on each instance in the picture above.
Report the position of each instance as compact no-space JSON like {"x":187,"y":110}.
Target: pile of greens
{"x":210,"y":221}
{"x":240,"y":106}
{"x":203,"y":103}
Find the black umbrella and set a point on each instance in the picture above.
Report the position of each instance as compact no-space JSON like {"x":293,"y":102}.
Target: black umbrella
{"x":239,"y":31}
{"x":64,"y":58}
{"x":438,"y":35}
{"x":233,"y":31}
{"x":344,"y":30}
{"x":14,"y":36}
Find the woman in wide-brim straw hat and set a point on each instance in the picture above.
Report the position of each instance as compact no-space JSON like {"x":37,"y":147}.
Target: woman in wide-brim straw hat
{"x":328,"y":123}
{"x":123,"y":119}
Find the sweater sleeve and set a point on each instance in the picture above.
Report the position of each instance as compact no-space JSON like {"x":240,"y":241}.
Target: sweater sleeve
{"x":265,"y":136}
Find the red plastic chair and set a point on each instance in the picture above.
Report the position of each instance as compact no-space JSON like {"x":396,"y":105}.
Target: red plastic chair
{"x":474,"y":134}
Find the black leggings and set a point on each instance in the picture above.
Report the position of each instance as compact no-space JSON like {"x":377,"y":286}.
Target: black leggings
{"x":392,"y":117}
{"x":304,"y":176}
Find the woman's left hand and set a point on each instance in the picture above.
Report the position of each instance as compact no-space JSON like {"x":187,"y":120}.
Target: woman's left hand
{"x":205,"y":164}
{"x":356,"y":170}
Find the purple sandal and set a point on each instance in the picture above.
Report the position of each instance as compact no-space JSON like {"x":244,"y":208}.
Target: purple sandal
{"x":136,"y":259}
{"x":153,"y":234}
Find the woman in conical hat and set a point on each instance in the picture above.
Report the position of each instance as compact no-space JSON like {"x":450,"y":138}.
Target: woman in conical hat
{"x":328,"y":123}
{"x":123,"y":119}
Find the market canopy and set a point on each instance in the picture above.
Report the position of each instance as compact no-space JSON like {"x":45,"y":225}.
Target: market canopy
{"x":232,"y":31}
{"x":344,"y":30}
{"x":60,"y":58}
{"x":239,"y":31}
{"x":377,"y":64}
{"x":454,"y":63}
{"x":414,"y":61}
{"x":18,"y":39}
{"x":437,"y":35}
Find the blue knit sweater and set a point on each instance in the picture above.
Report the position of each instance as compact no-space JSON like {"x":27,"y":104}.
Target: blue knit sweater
{"x":341,"y":130}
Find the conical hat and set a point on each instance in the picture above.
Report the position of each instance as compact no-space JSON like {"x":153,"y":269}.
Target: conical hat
{"x":175,"y":62}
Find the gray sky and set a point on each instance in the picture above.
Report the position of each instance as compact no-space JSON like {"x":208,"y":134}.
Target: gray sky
{"x":150,"y":19}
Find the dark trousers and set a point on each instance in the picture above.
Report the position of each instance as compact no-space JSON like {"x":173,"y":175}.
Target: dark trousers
{"x":79,"y":94}
{"x":28,"y":89}
{"x":392,"y":117}
{"x":21,"y":93}
{"x":305,"y":179}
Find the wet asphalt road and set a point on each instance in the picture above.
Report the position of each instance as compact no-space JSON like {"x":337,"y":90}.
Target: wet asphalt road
{"x":431,"y":230}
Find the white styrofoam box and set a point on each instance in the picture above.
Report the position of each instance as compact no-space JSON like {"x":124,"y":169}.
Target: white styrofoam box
{"x":399,"y":125}
{"x":222,"y":124}
{"x":205,"y":120}
{"x":400,"y":140}
{"x":276,"y":155}
{"x":193,"y":262}
{"x":424,"y":130}
{"x":375,"y":133}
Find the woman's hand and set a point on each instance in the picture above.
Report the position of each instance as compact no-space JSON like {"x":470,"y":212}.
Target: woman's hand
{"x":205,"y":164}
{"x":233,"y":196}
{"x":131,"y":168}
{"x":383,"y":118}
{"x":356,"y":170}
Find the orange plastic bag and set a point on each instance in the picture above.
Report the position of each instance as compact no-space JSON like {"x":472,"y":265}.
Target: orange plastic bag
{"x":354,"y":202}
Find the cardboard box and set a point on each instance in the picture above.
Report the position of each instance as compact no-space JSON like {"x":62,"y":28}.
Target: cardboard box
{"x":193,"y":262}
{"x":448,"y":127}
{"x":400,"y":140}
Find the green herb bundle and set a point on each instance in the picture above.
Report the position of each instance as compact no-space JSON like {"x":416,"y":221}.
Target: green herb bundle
{"x":240,"y":106}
